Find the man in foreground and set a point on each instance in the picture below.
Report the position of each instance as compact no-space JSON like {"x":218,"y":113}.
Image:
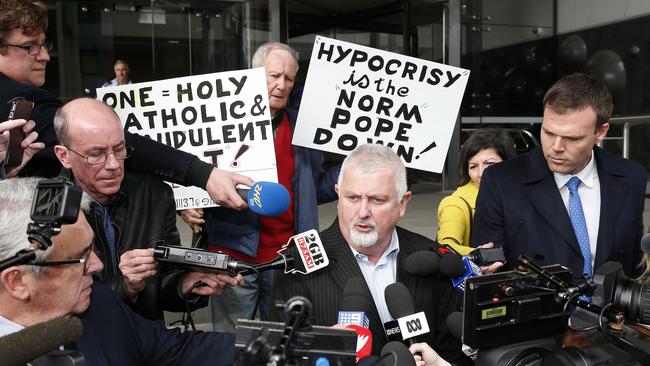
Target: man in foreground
{"x":61,"y":282}
{"x":365,"y":242}
{"x":131,"y":214}
{"x":567,"y":201}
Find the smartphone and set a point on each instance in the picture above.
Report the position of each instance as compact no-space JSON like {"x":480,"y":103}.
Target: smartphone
{"x":20,"y":109}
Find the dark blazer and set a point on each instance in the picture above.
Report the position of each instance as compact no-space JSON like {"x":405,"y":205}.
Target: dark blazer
{"x":115,"y":335}
{"x":520,"y":208}
{"x":149,"y":157}
{"x":325,"y":288}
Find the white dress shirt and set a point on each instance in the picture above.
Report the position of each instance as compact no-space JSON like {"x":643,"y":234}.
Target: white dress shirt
{"x":379,"y":276}
{"x":8,"y":327}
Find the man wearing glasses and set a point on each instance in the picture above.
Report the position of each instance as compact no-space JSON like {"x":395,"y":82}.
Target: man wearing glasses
{"x":130,"y":214}
{"x":61,"y":282}
{"x":24,"y":53}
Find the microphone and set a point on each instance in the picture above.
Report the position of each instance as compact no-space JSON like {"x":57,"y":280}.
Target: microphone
{"x":458,"y":269}
{"x":355,"y":305}
{"x":486,"y":256}
{"x":400,"y":306}
{"x":402,"y":355}
{"x":307,"y":246}
{"x":423,"y":263}
{"x":32,"y":342}
{"x":455,"y":324}
{"x":645,"y":243}
{"x":266,"y":198}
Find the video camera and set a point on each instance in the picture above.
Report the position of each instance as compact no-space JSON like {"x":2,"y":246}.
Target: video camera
{"x":56,"y":202}
{"x":519,"y":317}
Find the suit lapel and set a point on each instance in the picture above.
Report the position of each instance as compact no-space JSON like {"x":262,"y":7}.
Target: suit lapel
{"x":546,"y":199}
{"x":612,"y":196}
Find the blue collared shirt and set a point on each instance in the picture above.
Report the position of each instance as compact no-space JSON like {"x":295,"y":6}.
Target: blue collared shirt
{"x":380,"y":275}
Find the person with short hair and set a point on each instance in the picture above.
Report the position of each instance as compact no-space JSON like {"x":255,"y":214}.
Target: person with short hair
{"x":365,"y":242}
{"x":122,"y":72}
{"x":131,"y":214}
{"x":567,"y":201}
{"x":60,"y":282}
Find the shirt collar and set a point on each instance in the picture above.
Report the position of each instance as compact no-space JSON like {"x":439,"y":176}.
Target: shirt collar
{"x":586,"y":175}
{"x":8,"y":327}
{"x":393,"y":249}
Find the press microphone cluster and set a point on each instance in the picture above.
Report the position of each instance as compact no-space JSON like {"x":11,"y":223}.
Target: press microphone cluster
{"x":32,"y":342}
{"x":304,"y":253}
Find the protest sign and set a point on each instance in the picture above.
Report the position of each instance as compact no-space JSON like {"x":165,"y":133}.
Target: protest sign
{"x":356,"y":94}
{"x":223,"y":118}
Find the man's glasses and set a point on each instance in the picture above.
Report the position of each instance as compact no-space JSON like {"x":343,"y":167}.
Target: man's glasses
{"x":97,"y":158}
{"x":32,"y":49}
{"x":85,"y":259}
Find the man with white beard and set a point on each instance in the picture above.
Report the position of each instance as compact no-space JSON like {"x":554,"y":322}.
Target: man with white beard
{"x":365,"y":242}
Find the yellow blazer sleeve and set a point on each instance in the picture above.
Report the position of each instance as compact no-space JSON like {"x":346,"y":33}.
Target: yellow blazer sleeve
{"x":453,"y":222}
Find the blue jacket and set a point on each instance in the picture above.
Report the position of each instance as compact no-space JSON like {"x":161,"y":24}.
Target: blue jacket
{"x":239,"y":230}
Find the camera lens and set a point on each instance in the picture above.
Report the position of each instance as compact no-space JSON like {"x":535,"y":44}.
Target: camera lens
{"x":633,"y":298}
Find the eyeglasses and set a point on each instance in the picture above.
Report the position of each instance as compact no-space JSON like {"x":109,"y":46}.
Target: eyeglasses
{"x":84,"y":259}
{"x":97,"y":158}
{"x":32,"y":49}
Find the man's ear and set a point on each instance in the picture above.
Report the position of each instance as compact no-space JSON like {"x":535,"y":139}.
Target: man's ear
{"x":336,"y":188}
{"x":14,"y":282}
{"x":63,"y":154}
{"x":404,"y":202}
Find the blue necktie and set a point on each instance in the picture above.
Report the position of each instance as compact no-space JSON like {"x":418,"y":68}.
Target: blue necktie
{"x":110,"y":234}
{"x":579,"y":224}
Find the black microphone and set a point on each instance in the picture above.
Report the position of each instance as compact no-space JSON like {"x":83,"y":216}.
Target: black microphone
{"x":645,"y":243}
{"x":400,"y":306}
{"x":402,"y":355}
{"x":458,"y":269}
{"x":356,"y":303}
{"x":423,"y":263}
{"x":455,"y":324}
{"x":35,"y":341}
{"x":486,"y":256}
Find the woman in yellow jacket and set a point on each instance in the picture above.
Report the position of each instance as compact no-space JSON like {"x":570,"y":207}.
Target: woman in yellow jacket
{"x":483,"y":148}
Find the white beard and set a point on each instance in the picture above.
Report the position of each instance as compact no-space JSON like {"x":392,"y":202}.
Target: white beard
{"x":364,"y":240}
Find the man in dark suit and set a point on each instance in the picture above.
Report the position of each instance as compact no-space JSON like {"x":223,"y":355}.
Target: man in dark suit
{"x":60,"y":282}
{"x":365,"y":242}
{"x":567,"y":201}
{"x":24,"y":54}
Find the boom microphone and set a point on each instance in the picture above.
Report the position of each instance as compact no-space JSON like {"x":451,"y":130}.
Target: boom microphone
{"x":401,"y":308}
{"x":35,"y":341}
{"x":266,"y":198}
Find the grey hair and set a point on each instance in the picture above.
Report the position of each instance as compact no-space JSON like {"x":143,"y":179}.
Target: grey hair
{"x":61,"y":120}
{"x":264,"y":50}
{"x":16,"y":197}
{"x":373,"y":158}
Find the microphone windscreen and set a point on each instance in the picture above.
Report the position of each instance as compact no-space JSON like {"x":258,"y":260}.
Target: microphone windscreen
{"x":267,"y":198}
{"x":401,"y":355}
{"x":645,"y":243}
{"x":35,"y":341}
{"x":455,"y":324}
{"x":356,"y":296}
{"x":398,"y":300}
{"x":423,"y":263}
{"x":371,"y":360}
{"x":451,"y":265}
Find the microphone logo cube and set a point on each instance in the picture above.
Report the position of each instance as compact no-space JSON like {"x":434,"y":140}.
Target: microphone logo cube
{"x":311,"y":251}
{"x":353,"y":318}
{"x":413,"y":325}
